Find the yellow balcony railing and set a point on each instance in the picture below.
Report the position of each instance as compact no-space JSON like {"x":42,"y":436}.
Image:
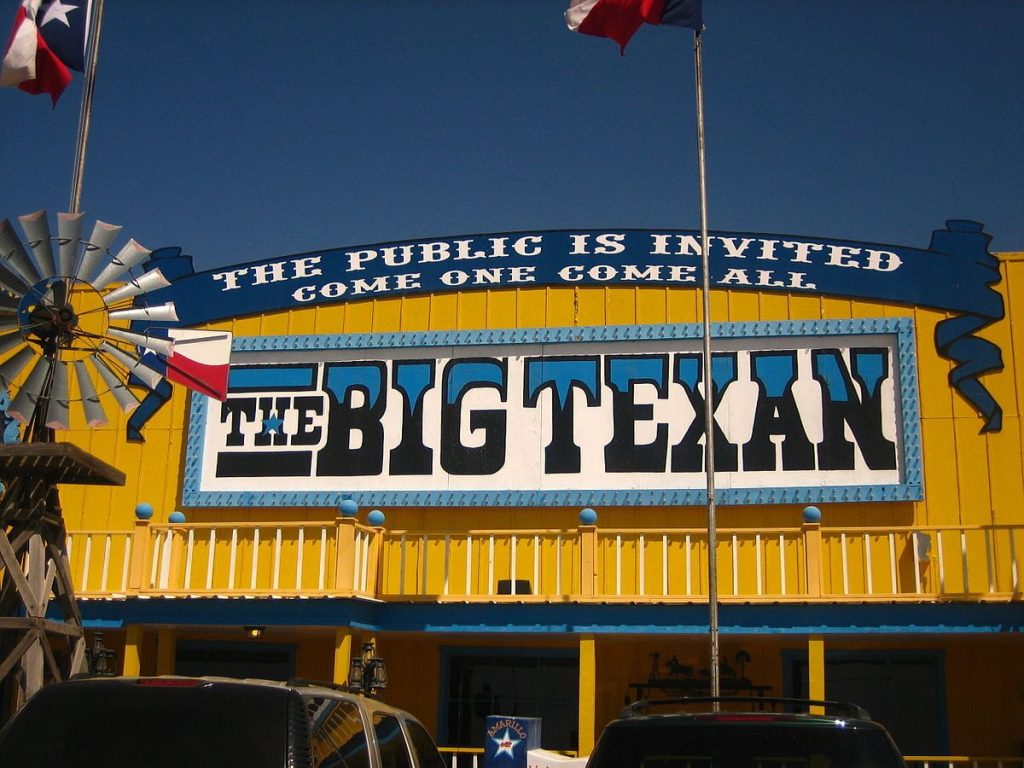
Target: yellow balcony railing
{"x":343,"y":557}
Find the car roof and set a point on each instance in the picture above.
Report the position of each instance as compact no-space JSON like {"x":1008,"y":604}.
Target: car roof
{"x":740,"y":709}
{"x":299,"y":685}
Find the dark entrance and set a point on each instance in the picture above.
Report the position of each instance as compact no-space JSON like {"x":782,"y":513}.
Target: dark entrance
{"x":903,"y":690}
{"x":225,"y":659}
{"x":525,"y":683}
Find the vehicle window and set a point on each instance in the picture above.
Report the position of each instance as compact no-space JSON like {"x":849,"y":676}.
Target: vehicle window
{"x":336,"y":733}
{"x":101,"y":725}
{"x":391,"y":741}
{"x":426,"y":751}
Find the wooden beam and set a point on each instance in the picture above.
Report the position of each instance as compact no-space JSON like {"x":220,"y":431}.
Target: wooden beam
{"x":16,"y":653}
{"x":13,"y":566}
{"x":58,"y":463}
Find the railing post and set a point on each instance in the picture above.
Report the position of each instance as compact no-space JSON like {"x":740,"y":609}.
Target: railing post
{"x":373,"y":559}
{"x":812,"y":551}
{"x":139,"y":546}
{"x":175,"y":570}
{"x":345,"y":558}
{"x":588,"y":552}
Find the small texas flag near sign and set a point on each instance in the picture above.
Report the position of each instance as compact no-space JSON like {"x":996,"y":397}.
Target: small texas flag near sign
{"x":198,"y":360}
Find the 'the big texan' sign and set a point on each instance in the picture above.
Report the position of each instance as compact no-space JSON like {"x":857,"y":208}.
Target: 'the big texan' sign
{"x":814,"y":411}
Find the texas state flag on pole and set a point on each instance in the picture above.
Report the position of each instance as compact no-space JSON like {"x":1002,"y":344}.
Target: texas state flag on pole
{"x":620,"y":19}
{"x":199,"y":360}
{"x":47,"y":40}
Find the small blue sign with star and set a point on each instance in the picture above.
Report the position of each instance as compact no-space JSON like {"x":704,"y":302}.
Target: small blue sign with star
{"x":508,"y":739}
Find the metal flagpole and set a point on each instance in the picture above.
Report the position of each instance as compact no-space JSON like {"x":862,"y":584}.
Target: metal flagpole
{"x":96,"y":24}
{"x":709,"y":405}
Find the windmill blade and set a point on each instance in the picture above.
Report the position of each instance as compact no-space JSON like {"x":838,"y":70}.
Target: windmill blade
{"x":37,"y":229}
{"x":11,"y":368}
{"x":136,"y":367}
{"x":9,"y":304}
{"x":58,"y":414}
{"x":95,"y":416}
{"x":11,"y":281}
{"x":130,"y":256}
{"x":152,"y":343}
{"x":24,"y":405}
{"x":14,"y":256}
{"x":10,"y":340}
{"x":150,"y":281}
{"x":156,"y":313}
{"x":102,"y":237}
{"x":58,"y":293}
{"x":121,"y":393}
{"x":69,"y":234}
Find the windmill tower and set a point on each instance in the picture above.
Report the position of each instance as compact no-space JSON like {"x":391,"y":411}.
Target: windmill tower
{"x":75,"y":330}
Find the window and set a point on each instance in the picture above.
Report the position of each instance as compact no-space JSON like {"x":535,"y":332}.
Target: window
{"x":426,"y":753}
{"x":904,"y":690}
{"x":336,"y":733}
{"x":532,"y":683}
{"x":391,"y":742}
{"x":258,"y":660}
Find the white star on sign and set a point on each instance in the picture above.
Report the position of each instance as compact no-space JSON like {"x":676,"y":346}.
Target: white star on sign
{"x":58,"y":10}
{"x":505,"y":744}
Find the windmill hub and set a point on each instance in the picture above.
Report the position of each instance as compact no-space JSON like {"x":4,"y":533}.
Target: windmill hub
{"x":54,"y":324}
{"x":69,"y":315}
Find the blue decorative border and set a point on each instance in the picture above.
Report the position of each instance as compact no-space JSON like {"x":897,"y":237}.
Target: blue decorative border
{"x":911,"y":489}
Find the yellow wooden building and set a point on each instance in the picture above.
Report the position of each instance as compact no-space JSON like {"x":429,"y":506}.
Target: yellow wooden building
{"x":902,"y":592}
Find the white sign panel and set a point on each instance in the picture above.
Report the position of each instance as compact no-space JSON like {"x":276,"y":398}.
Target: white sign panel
{"x":417,"y":419}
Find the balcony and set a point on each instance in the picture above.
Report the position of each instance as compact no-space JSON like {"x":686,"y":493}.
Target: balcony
{"x":344,"y":558}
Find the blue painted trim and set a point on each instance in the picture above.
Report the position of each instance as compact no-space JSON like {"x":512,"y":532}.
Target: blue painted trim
{"x":560,"y":618}
{"x":604,"y":333}
{"x":907,"y":398}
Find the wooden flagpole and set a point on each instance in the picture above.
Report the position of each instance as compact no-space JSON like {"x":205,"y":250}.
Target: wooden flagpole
{"x":96,"y":24}
{"x":709,"y":404}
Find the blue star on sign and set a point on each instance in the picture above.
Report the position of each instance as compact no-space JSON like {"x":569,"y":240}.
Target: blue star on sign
{"x":272,"y":424}
{"x":506,"y":744}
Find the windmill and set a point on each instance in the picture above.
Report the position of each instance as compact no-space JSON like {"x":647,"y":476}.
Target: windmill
{"x":76,"y":332}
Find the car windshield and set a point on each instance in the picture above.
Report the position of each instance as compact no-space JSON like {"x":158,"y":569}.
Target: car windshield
{"x":103,"y":725}
{"x":658,"y":744}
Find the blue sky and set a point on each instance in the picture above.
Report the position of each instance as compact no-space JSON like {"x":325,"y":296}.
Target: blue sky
{"x":256,"y":129}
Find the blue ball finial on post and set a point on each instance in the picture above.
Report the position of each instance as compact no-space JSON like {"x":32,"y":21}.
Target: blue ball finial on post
{"x":143,"y":511}
{"x":348,"y":508}
{"x":376,"y":518}
{"x":812,"y":515}
{"x":588,"y":516}
{"x":176,"y":517}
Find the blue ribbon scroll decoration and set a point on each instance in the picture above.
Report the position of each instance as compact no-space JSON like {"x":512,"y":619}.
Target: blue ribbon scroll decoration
{"x":956,"y":275}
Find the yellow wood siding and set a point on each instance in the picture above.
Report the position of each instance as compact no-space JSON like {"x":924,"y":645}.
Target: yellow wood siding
{"x":970,"y":478}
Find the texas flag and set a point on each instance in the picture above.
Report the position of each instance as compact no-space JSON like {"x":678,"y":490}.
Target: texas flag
{"x":620,"y":19}
{"x":47,"y":40}
{"x":198,"y":360}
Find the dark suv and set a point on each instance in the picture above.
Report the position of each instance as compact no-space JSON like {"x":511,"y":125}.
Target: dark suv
{"x":189,"y":722}
{"x":735,"y":732}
